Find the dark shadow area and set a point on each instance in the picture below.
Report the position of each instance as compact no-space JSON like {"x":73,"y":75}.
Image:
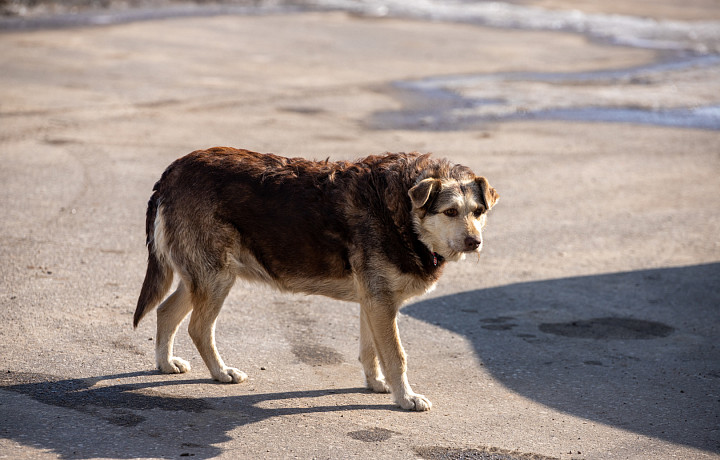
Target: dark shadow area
{"x":130,"y":420}
{"x":637,"y":350}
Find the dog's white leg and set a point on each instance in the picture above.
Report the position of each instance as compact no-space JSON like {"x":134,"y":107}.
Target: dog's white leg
{"x":382,"y":322}
{"x":169,"y":316}
{"x":207,"y":304}
{"x":374,"y":377}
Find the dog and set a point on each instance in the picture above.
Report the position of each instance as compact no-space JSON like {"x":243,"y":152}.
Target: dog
{"x":377,"y":231}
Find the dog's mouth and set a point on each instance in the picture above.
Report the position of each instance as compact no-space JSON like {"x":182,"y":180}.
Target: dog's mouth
{"x":455,"y":254}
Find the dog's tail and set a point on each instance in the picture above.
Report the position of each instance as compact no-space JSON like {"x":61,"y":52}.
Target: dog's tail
{"x":159,"y":274}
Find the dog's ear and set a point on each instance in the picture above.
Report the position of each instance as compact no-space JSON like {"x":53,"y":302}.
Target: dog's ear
{"x":420,"y":194}
{"x":489,"y":194}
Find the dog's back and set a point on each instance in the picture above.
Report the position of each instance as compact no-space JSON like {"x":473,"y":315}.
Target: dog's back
{"x":289,"y":222}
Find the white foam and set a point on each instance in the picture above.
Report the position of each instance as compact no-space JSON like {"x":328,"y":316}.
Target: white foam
{"x":697,"y":36}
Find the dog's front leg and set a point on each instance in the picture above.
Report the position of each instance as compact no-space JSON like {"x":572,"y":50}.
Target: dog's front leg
{"x":381,"y":320}
{"x":374,"y":377}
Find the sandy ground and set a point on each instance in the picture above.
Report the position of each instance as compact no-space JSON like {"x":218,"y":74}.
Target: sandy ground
{"x":588,"y":330}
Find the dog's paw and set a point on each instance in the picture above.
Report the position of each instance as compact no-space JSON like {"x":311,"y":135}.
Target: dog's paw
{"x":174,"y":366}
{"x":230,"y":375}
{"x":378,"y":385}
{"x":414,"y":401}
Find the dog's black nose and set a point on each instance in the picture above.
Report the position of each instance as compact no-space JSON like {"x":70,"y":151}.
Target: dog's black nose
{"x":472,"y":243}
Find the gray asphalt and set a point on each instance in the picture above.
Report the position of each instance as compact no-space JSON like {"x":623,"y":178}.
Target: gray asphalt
{"x":588,"y":329}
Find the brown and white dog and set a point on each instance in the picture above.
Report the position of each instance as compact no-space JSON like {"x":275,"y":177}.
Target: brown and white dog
{"x":377,"y":231}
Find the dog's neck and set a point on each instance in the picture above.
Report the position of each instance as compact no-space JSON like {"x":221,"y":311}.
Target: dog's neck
{"x":430,"y":261}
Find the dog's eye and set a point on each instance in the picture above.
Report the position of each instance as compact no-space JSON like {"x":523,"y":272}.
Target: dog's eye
{"x":450,"y":212}
{"x":478,"y":212}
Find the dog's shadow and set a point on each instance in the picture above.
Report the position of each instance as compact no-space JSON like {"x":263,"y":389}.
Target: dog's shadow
{"x":172,"y":426}
{"x":636,"y":350}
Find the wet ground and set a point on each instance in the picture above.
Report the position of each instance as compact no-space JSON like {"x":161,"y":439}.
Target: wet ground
{"x":654,"y":94}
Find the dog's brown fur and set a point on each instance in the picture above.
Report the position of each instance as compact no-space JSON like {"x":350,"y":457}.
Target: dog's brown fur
{"x":376,"y":231}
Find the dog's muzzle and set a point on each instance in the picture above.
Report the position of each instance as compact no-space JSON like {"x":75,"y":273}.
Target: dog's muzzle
{"x":472,"y":243}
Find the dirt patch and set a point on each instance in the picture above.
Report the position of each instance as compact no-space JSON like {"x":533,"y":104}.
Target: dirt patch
{"x":609,"y":329}
{"x":485,"y":453}
{"x":372,"y":435}
{"x":316,"y":355}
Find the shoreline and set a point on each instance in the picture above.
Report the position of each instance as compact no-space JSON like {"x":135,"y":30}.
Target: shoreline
{"x":99,"y":17}
{"x":630,"y":28}
{"x":460,"y":102}
{"x":464,"y":101}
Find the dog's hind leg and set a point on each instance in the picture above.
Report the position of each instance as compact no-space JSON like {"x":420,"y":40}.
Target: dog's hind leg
{"x":169,"y":316}
{"x":207,"y":302}
{"x":368,"y":357}
{"x":382,"y":322}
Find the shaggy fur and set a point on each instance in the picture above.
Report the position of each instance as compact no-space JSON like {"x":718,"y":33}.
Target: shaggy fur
{"x":377,"y":231}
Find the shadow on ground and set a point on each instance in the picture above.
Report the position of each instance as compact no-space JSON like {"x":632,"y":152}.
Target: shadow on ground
{"x":169,"y":426}
{"x":637,"y":350}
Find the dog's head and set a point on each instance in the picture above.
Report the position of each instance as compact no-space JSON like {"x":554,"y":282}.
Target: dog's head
{"x":449,"y":214}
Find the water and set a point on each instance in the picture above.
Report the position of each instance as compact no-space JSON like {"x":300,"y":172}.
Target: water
{"x":648,"y":94}
{"x":651,"y":94}
{"x":700,"y":37}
